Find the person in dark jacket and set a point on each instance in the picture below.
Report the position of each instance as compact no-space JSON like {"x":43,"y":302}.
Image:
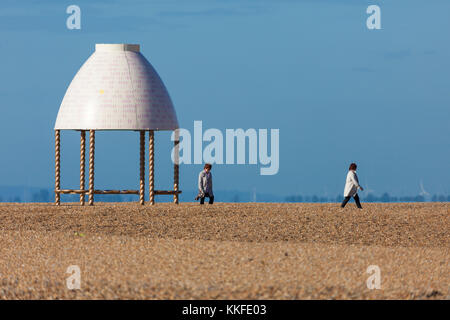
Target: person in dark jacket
{"x":205,"y":188}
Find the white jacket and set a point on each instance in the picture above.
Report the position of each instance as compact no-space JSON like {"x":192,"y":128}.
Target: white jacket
{"x":351,"y":184}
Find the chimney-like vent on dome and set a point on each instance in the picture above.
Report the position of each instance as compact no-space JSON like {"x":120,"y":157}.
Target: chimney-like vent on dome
{"x":117,"y":47}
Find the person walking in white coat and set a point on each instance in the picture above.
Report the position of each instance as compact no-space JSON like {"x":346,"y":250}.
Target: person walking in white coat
{"x":351,"y":187}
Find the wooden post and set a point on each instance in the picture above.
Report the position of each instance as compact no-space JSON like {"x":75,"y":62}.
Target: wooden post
{"x":151,"y":167}
{"x":82,"y":164}
{"x":57,"y":167}
{"x":91,"y":166}
{"x":142,"y":168}
{"x":176,"y":167}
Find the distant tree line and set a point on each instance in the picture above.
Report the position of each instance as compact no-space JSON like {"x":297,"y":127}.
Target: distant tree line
{"x":45,"y":195}
{"x":42,"y":195}
{"x":313,"y":198}
{"x":385,"y":197}
{"x":11,"y":199}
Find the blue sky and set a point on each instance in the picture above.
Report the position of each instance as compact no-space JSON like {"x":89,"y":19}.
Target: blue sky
{"x":337,"y":91}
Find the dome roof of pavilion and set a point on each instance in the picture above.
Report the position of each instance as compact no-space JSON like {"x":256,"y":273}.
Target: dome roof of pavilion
{"x":116,"y":89}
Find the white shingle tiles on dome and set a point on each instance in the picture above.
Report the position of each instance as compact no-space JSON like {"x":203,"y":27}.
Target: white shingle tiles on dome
{"x":116,"y":89}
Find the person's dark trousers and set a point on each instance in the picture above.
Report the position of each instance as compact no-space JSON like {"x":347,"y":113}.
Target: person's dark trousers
{"x":211,"y":199}
{"x":356,"y":197}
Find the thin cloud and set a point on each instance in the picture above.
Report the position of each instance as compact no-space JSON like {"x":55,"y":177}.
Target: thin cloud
{"x":363,"y":69}
{"x":213,"y":12}
{"x":398,"y":54}
{"x":430,"y":52}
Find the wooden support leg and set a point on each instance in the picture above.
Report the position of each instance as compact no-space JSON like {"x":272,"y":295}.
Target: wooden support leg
{"x":82,"y":164}
{"x":151,"y":173}
{"x":176,"y":168}
{"x":57,"y":167}
{"x":91,"y":166}
{"x":142,"y":168}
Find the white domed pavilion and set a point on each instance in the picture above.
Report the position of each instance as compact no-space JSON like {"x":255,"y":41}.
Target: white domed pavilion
{"x":116,"y":89}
